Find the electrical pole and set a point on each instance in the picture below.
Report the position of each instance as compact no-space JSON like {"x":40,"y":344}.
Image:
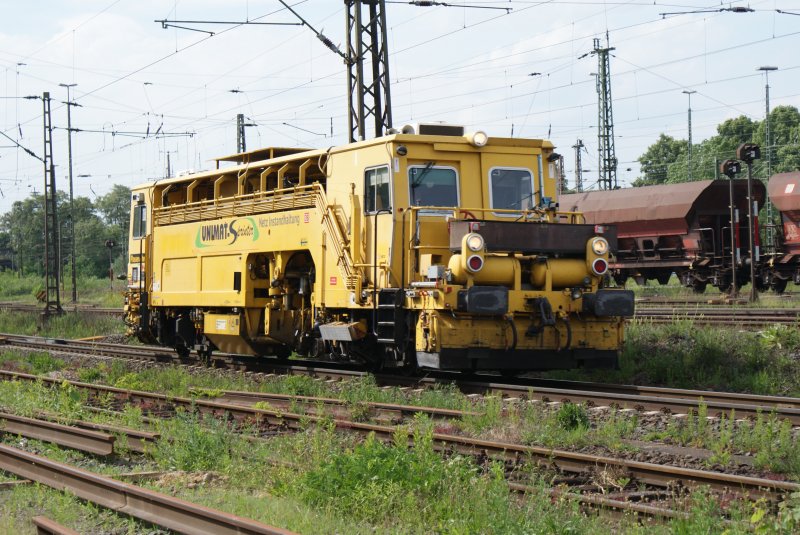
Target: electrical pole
{"x":689,"y":157}
{"x":71,"y":204}
{"x":768,"y":145}
{"x":578,"y":166}
{"x":605,"y":119}
{"x":241,"y":144}
{"x":367,"y":97}
{"x":52,"y":262}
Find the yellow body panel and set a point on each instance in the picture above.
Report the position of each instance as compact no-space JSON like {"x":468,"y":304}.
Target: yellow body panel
{"x":304,"y":239}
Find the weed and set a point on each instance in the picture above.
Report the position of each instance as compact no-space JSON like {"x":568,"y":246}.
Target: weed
{"x":487,"y":415}
{"x":571,"y":416}
{"x":184,"y":444}
{"x":42,"y":363}
{"x":207,"y":392}
{"x":90,"y":375}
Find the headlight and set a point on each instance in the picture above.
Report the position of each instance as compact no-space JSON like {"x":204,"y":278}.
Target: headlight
{"x":475,"y":242}
{"x":478,"y":139}
{"x":600,"y":246}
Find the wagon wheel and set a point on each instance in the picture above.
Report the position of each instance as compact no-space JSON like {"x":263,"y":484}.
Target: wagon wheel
{"x":283,"y":353}
{"x":699,"y":286}
{"x":779,"y":285}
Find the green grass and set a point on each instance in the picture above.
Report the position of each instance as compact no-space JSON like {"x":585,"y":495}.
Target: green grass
{"x":768,"y":439}
{"x":68,"y":325}
{"x":91,"y":290}
{"x":686,"y":355}
{"x":674,"y":290}
{"x":323,"y":481}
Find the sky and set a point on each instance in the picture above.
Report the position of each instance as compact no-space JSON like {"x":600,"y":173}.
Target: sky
{"x":146,"y":94}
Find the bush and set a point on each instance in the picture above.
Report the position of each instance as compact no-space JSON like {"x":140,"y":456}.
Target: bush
{"x":187,"y":445}
{"x":571,"y":416}
{"x":416,"y":490}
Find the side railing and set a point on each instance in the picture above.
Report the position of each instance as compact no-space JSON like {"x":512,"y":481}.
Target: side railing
{"x":340,"y":239}
{"x":238,"y":205}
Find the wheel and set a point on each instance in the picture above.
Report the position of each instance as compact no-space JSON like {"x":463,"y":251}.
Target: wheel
{"x":779,"y":285}
{"x":283,"y":353}
{"x":182,"y":351}
{"x":699,"y":286}
{"x":763,"y":283}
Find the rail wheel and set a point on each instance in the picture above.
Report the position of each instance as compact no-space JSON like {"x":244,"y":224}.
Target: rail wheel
{"x":699,"y":286}
{"x":182,"y":350}
{"x":283,"y":353}
{"x":779,"y":285}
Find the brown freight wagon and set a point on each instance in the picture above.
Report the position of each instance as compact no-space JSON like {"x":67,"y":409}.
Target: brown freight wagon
{"x":674,"y":228}
{"x":784,"y":265}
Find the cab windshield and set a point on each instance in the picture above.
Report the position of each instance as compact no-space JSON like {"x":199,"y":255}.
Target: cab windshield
{"x":433,"y":186}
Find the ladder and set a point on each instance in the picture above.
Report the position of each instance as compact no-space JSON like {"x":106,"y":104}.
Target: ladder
{"x":390,"y":321}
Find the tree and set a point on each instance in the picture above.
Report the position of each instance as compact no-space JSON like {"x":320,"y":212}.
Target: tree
{"x":658,"y":158}
{"x":784,"y":125}
{"x":115,"y":206}
{"x":665,"y":160}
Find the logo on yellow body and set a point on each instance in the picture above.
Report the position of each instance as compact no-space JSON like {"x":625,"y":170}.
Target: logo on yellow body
{"x":226,"y":233}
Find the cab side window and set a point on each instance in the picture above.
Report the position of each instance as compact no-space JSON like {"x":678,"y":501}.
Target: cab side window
{"x":377,"y":194}
{"x":139,"y":220}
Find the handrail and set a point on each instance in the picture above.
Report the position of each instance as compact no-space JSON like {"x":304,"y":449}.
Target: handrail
{"x":352,"y":274}
{"x":528,"y":216}
{"x":237,"y":205}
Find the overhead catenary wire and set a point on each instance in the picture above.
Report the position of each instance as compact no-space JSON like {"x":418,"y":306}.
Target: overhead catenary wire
{"x":217,"y":121}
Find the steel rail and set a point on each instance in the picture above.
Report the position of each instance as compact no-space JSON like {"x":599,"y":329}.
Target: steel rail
{"x":45,"y":526}
{"x":594,"y":394}
{"x":763,"y":400}
{"x":382,"y":409}
{"x":136,"y":440}
{"x":82,"y":309}
{"x":71,"y":437}
{"x":646,"y":399}
{"x":647,"y":473}
{"x":153,"y":507}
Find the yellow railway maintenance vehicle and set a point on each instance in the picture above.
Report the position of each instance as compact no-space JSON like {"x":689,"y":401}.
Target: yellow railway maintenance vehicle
{"x":431,"y":247}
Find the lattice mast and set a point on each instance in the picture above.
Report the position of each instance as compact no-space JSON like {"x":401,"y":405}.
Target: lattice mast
{"x":52,"y":262}
{"x":578,"y":146}
{"x":241,"y":143}
{"x":368,"y":93}
{"x":605,"y":119}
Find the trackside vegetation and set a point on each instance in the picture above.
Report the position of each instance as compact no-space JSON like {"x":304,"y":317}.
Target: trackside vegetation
{"x":323,"y":481}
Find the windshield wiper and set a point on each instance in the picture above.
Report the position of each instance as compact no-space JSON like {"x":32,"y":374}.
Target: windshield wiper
{"x":418,"y":180}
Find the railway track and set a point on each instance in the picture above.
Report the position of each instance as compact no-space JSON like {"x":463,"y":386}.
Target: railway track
{"x":566,"y":462}
{"x":735,"y":316}
{"x":638,"y":398}
{"x":661,"y":311}
{"x":621,"y":502}
{"x":83,"y":309}
{"x":238,"y":406}
{"x":144,"y":504}
{"x":698,"y":312}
